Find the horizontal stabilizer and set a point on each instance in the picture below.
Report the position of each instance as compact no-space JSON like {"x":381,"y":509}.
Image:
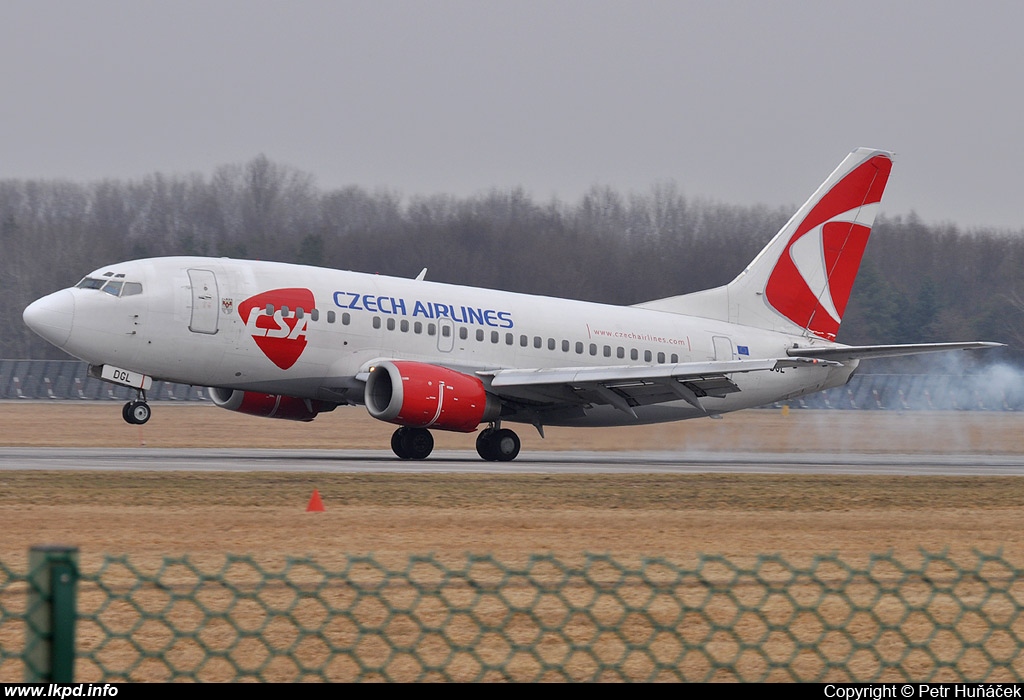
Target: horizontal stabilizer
{"x":843,"y":353}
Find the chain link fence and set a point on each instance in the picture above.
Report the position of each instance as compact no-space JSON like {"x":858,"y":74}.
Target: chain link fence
{"x":596,"y":619}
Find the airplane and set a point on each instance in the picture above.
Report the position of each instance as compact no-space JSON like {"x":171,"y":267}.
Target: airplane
{"x":292,"y":341}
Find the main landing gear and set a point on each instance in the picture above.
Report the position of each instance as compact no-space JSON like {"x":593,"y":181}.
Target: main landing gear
{"x":493,"y":444}
{"x":498,"y":444}
{"x":136,"y":412}
{"x":412,"y":443}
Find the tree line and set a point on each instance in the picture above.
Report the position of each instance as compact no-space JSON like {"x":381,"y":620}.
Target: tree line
{"x":918,"y":282}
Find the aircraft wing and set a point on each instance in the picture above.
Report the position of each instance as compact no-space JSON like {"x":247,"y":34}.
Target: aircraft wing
{"x":627,"y":386}
{"x":845,"y":353}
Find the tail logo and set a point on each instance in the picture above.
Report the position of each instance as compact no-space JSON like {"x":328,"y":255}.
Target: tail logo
{"x":812,"y":279}
{"x":281,"y":334}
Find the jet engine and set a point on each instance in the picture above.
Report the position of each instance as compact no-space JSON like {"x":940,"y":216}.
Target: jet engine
{"x":419,"y":395}
{"x":256,"y":403}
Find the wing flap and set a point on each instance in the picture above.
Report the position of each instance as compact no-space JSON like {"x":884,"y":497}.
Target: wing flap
{"x":628,"y":386}
{"x":627,"y":373}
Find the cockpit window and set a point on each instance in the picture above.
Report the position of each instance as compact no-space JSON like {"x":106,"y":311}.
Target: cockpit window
{"x":91,"y":283}
{"x":113,"y":287}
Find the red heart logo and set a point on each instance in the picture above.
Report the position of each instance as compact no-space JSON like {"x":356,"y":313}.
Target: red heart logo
{"x":281,"y":337}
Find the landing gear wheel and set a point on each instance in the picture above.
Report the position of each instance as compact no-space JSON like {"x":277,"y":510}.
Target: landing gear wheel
{"x":136,"y":412}
{"x":396,"y":443}
{"x":498,"y":445}
{"x":506,"y":445}
{"x":484,"y":446}
{"x":412,"y":443}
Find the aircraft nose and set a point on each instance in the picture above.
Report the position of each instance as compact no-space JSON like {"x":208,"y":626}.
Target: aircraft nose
{"x":51,"y":316}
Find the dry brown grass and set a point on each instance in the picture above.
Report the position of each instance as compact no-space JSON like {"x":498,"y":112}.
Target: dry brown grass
{"x":150,"y":515}
{"x":628,"y":515}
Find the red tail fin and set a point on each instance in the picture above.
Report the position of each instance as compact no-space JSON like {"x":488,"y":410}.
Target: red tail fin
{"x":811,"y":281}
{"x":801,"y":280}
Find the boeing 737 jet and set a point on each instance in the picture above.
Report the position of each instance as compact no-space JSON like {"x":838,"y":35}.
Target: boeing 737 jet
{"x":290,"y":341}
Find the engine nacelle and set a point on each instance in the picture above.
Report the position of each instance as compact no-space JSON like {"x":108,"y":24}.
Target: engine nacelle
{"x":256,"y":403}
{"x":420,"y":395}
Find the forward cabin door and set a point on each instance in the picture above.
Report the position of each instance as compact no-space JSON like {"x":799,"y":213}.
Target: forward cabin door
{"x":205,"y":301}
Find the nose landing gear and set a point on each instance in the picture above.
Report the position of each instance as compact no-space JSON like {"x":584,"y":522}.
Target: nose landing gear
{"x":137,"y":412}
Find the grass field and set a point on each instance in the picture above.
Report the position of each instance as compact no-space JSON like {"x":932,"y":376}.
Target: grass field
{"x":629,"y":515}
{"x":152,"y":515}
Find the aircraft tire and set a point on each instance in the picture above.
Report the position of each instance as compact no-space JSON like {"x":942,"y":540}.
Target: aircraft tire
{"x":498,"y":445}
{"x":418,"y":443}
{"x":126,"y":413}
{"x":398,"y":443}
{"x":485,"y":445}
{"x":505,"y":445}
{"x":140,"y":412}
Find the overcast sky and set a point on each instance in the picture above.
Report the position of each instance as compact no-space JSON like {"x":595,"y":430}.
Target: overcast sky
{"x":741,"y":102}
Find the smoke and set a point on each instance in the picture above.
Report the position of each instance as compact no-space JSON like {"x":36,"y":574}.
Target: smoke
{"x":951,"y":381}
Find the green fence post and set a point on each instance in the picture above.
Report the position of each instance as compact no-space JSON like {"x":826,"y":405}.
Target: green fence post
{"x":50,"y":633}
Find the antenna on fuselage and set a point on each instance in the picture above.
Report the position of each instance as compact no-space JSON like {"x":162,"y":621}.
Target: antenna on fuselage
{"x":423,"y":274}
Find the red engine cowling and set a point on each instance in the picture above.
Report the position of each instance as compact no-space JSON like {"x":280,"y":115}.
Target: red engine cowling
{"x":256,"y":403}
{"x":419,"y":395}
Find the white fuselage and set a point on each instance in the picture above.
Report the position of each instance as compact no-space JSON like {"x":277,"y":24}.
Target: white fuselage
{"x":204,"y":321}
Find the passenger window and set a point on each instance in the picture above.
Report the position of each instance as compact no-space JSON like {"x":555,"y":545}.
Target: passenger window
{"x":579,"y":348}
{"x":285,"y":311}
{"x":404,"y":326}
{"x":480,"y":335}
{"x":495,"y":337}
{"x":299,"y":313}
{"x":431,"y":329}
{"x":346,"y":318}
{"x":593,"y":349}
{"x":417,"y":328}
{"x":551,"y":343}
{"x":620,"y":352}
{"x":509,"y":339}
{"x":647,"y":356}
{"x":607,"y":351}
{"x":391,"y":324}
{"x":270,"y":310}
{"x":446,"y":331}
{"x":331,"y":316}
{"x":565,"y":346}
{"x":633,"y":354}
{"x":675,"y":359}
{"x":376,"y":321}
{"x":523,"y":341}
{"x":463,"y":333}
{"x":661,"y":357}
{"x":314,"y":314}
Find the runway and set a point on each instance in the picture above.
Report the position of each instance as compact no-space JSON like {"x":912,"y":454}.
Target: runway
{"x":465,"y":461}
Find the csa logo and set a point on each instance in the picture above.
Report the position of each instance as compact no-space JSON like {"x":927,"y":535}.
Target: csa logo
{"x":281,"y":337}
{"x":811,"y":282}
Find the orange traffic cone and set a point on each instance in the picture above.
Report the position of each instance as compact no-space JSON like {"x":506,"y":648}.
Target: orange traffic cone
{"x":315,"y":504}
